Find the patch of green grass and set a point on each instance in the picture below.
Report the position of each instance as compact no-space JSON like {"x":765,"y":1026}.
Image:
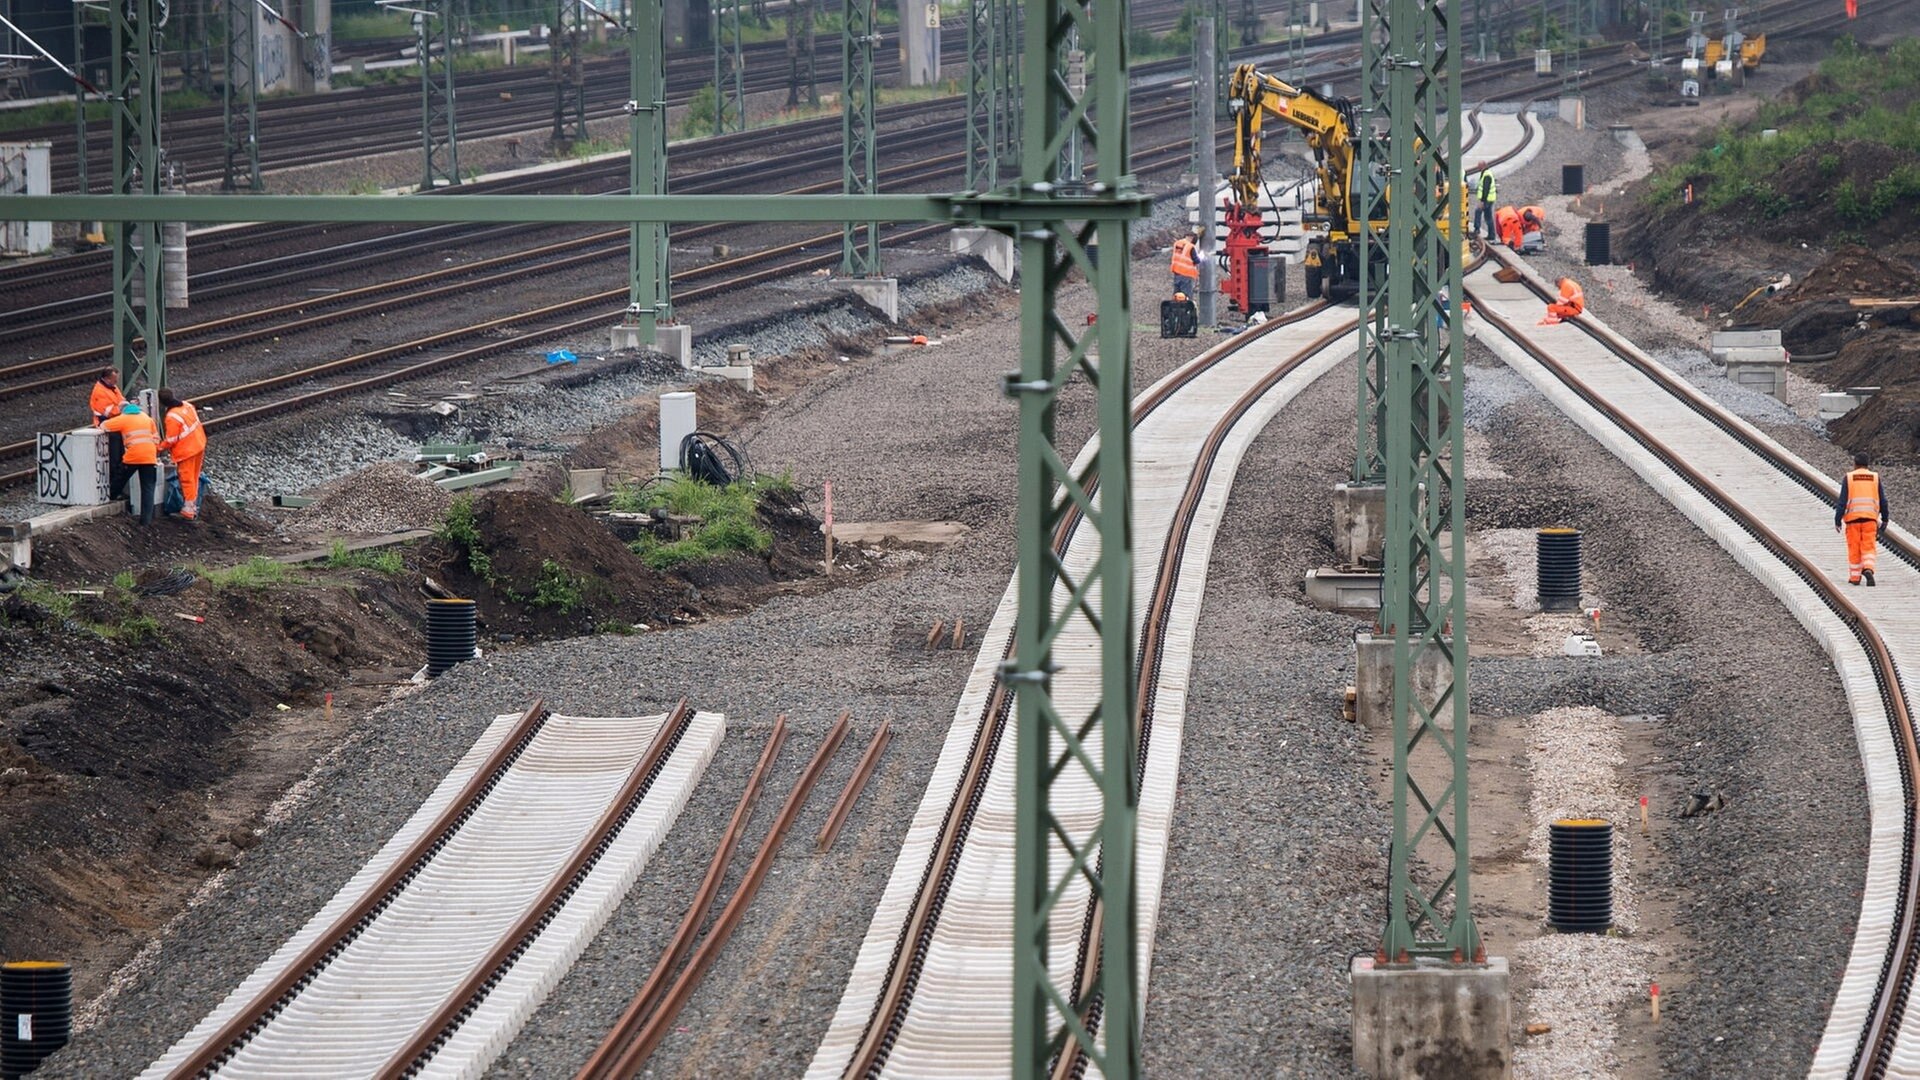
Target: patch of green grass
{"x":728,"y":515}
{"x":384,"y":560}
{"x":124,"y":581}
{"x":53,"y":601}
{"x":558,"y":587}
{"x":614,"y":626}
{"x":459,"y":529}
{"x":256,"y":573}
{"x":593,"y":147}
{"x":365,"y":26}
{"x":132,"y":630}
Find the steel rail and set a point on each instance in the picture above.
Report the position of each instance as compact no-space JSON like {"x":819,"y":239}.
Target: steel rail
{"x":640,"y":1044}
{"x":683,"y":937}
{"x":1873,"y":1052}
{"x":916,"y":932}
{"x":412,"y":1058}
{"x":837,"y":818}
{"x":273,"y":999}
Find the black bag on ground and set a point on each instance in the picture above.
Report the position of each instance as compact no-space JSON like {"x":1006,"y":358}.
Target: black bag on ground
{"x":1179,"y":318}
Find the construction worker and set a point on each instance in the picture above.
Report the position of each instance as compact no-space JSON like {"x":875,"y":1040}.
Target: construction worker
{"x":1186,"y":266}
{"x":140,"y":454}
{"x":1860,"y":512}
{"x":1572,"y":302}
{"x":1506,"y":221}
{"x":186,"y":443}
{"x":106,"y":398}
{"x":1488,"y":189}
{"x":1533,"y":229}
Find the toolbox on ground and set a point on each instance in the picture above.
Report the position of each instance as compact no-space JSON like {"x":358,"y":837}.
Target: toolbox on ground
{"x":1179,"y":318}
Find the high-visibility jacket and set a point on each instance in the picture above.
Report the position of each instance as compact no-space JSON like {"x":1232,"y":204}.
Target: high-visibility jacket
{"x":1573,"y":300}
{"x":1539,"y":215}
{"x":139,"y":438}
{"x":1861,"y":498}
{"x":1489,"y":188}
{"x":105,"y":402}
{"x":185,"y":437}
{"x":1506,"y":222}
{"x":1183,"y":264}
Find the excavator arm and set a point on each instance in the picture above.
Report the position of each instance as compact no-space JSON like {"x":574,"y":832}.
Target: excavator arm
{"x":1328,"y":124}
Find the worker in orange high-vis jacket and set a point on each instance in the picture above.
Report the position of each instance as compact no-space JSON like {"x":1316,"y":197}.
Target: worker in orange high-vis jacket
{"x":140,"y":453}
{"x":106,"y":399}
{"x":1860,"y":512}
{"x":1572,"y":302}
{"x":1506,"y":223}
{"x":186,"y":442}
{"x":1186,"y":265}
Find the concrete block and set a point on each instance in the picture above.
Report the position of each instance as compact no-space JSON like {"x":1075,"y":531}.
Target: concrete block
{"x":733,"y":373}
{"x":1765,"y":375}
{"x":676,"y":341}
{"x":1348,"y":592}
{"x":881,"y":293}
{"x":679,"y":418}
{"x":1753,"y":354}
{"x":995,"y":248}
{"x":1573,"y":110}
{"x":1359,"y":523}
{"x":1839,"y":403}
{"x":16,"y":545}
{"x":1373,"y":680}
{"x":1431,"y":1019}
{"x":1723,"y":340}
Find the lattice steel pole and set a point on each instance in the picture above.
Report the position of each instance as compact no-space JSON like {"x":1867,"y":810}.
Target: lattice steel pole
{"x":1011,"y":50}
{"x":1369,"y":466}
{"x":1222,"y":50}
{"x":729,"y":70}
{"x":569,"y":85}
{"x":439,"y":125}
{"x":80,"y":95}
{"x":801,"y":86}
{"x":983,"y":166}
{"x":1249,"y":22}
{"x":859,"y":254}
{"x":1423,"y":594}
{"x":139,"y":329}
{"x":240,"y":98}
{"x":649,"y":285}
{"x":1052,"y":747}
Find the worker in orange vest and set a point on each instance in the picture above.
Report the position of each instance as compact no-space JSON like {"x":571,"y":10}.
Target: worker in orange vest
{"x":106,"y":398}
{"x":140,"y":454}
{"x":1860,"y":511}
{"x":186,"y":443}
{"x":1533,"y":229}
{"x":1572,"y":302}
{"x":1506,"y":223}
{"x":1186,"y":266}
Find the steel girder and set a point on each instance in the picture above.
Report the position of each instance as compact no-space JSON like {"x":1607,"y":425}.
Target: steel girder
{"x":801,"y":85}
{"x":1369,"y":465}
{"x":649,"y":284}
{"x":729,"y":70}
{"x":1423,"y":594}
{"x":439,"y":125}
{"x":240,"y":97}
{"x":983,"y":164}
{"x":1055,"y":224}
{"x":139,"y":330}
{"x":80,"y":11}
{"x":565,"y":44}
{"x":860,"y":241}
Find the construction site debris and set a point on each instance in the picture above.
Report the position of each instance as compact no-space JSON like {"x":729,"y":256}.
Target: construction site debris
{"x":383,"y":498}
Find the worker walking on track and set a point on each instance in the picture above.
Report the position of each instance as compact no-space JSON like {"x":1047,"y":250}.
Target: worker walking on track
{"x":140,"y":454}
{"x":1186,"y":265}
{"x":1487,"y":189}
{"x":186,"y":443}
{"x":1860,"y":512}
{"x":1572,"y":302}
{"x":106,"y":398}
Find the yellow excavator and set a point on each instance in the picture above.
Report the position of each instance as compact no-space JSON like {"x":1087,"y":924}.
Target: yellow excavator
{"x":1342,"y":204}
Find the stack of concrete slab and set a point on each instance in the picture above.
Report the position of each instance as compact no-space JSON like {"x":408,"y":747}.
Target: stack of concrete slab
{"x":1754,"y":358}
{"x":1839,"y":403}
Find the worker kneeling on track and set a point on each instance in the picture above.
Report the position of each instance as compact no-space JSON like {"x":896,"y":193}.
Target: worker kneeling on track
{"x":1572,"y":302}
{"x":1506,"y":225}
{"x":1860,"y":512}
{"x":1533,"y":230}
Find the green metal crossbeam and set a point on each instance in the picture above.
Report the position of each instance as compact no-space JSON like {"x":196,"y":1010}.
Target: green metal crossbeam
{"x":675,"y":209}
{"x":1423,"y":594}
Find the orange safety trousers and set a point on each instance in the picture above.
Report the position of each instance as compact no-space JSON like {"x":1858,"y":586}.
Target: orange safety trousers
{"x":1860,"y":547}
{"x":190,"y":482}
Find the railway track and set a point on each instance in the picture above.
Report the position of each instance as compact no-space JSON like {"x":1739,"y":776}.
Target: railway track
{"x":1769,"y":509}
{"x":431,"y":957}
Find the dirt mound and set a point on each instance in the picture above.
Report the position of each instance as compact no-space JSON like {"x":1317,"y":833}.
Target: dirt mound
{"x":108,"y":545}
{"x":383,"y":498}
{"x":118,"y":719}
{"x":1813,"y":314}
{"x":550,"y":570}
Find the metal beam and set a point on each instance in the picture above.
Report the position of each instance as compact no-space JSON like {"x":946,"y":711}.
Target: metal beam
{"x":649,"y":285}
{"x":860,"y":242}
{"x":802,"y":88}
{"x":983,"y":164}
{"x":620,"y":209}
{"x":80,"y":11}
{"x":1423,"y":594}
{"x":240,"y":97}
{"x":439,"y":126}
{"x":1369,"y":466}
{"x":729,"y":70}
{"x":139,"y":329}
{"x":1055,"y":224}
{"x":567,"y":40}
{"x":1222,"y":51}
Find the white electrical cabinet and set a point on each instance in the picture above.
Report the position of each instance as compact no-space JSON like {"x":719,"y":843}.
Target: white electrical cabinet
{"x":71,"y":467}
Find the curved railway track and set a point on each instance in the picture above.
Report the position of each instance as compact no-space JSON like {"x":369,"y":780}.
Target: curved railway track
{"x":1768,"y":508}
{"x":448,"y":938}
